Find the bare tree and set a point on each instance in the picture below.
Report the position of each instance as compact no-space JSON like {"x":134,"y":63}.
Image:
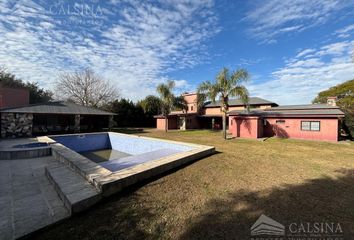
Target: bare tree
{"x":85,"y":88}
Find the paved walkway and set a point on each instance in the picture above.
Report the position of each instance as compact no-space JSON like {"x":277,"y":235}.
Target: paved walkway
{"x":27,"y":200}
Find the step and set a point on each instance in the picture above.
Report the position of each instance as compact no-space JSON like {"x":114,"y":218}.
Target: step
{"x":74,"y":190}
{"x":79,"y":164}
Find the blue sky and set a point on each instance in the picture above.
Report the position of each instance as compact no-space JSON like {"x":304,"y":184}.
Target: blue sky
{"x":292,"y":49}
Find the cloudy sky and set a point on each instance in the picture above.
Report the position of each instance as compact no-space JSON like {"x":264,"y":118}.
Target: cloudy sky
{"x":292,"y":48}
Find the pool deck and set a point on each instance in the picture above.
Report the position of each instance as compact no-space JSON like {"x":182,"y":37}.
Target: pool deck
{"x":37,"y":192}
{"x":28,"y":201}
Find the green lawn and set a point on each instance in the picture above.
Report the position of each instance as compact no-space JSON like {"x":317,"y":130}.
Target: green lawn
{"x":221,"y":196}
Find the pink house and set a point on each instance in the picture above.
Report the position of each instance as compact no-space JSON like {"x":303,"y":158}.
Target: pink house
{"x":266,"y":119}
{"x":313,"y":121}
{"x":209,"y":116}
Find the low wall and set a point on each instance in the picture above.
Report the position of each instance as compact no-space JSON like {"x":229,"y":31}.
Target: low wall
{"x":16,"y":125}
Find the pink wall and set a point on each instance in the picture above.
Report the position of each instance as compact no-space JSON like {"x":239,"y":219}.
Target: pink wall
{"x":160,"y":123}
{"x":292,"y":129}
{"x":13,"y":97}
{"x":244,"y":127}
{"x":252,"y":127}
{"x":192,"y":102}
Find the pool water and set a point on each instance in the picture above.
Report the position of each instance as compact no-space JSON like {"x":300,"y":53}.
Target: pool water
{"x":104,"y":155}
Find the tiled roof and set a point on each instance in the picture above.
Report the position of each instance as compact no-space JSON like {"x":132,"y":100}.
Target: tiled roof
{"x":57,"y":108}
{"x":238,"y":102}
{"x":303,"y":107}
{"x":276,"y":111}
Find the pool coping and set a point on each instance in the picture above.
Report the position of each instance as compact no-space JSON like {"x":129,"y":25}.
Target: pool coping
{"x":24,"y":153}
{"x":108,"y":182}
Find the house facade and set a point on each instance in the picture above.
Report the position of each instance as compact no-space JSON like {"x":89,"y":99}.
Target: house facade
{"x":209,"y":116}
{"x":313,"y":122}
{"x":265,"y":119}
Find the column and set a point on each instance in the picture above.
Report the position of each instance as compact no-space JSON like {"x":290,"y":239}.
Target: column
{"x":77,"y":123}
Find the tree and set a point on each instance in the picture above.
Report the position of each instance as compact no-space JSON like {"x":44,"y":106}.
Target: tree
{"x":226,"y":85}
{"x":151,"y":105}
{"x":345,"y":95}
{"x":36,"y":94}
{"x":85,"y":88}
{"x":168,"y":99}
{"x":128,"y":113}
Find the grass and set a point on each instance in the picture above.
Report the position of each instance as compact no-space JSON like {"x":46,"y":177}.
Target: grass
{"x":221,"y":196}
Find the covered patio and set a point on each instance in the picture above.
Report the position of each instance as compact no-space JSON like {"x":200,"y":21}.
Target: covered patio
{"x":53,"y":118}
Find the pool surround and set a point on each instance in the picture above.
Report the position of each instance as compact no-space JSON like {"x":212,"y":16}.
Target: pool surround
{"x":108,"y":182}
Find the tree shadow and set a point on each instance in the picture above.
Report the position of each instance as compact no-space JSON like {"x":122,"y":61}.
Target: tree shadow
{"x":318,"y":200}
{"x":129,"y":130}
{"x":279,"y":131}
{"x":244,"y":122}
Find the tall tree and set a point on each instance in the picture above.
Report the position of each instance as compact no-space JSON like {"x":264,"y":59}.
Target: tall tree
{"x":151,"y":105}
{"x":345,"y":100}
{"x":37,"y":94}
{"x":85,"y":88}
{"x":226,"y":85}
{"x":128,"y":113}
{"x":167,"y":99}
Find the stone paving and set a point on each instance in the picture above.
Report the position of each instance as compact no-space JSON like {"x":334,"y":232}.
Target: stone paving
{"x":27,"y":199}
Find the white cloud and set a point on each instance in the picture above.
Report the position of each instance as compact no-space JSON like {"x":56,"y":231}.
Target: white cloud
{"x":345,"y":32}
{"x":305,"y":52}
{"x":304,"y":76}
{"x":133,"y":44}
{"x":269,"y":19}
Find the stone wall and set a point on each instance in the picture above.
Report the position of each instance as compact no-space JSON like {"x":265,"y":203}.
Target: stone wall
{"x":16,"y":125}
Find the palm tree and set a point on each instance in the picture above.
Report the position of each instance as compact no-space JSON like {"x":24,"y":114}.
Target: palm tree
{"x":180,"y":104}
{"x":168,"y":100}
{"x":226,"y":85}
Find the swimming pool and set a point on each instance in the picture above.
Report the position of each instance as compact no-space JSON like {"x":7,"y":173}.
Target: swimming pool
{"x":112,"y":161}
{"x":118,"y":151}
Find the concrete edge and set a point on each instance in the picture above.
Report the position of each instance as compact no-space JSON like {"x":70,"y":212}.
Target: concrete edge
{"x":118,"y":180}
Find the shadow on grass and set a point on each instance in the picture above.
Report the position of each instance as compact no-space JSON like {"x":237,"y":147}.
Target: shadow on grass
{"x":124,"y":215}
{"x":129,"y":130}
{"x":319,"y":200}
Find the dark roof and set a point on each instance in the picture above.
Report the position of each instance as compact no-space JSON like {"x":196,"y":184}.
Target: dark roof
{"x":238,"y":102}
{"x":176,"y":114}
{"x":57,"y":108}
{"x":303,"y":107}
{"x":330,"y":112}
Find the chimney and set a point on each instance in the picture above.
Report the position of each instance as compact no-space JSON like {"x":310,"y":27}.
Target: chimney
{"x":332,"y":101}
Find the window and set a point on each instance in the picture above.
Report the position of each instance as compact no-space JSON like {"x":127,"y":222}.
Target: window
{"x":280,"y":121}
{"x":310,"y":125}
{"x":191,"y":108}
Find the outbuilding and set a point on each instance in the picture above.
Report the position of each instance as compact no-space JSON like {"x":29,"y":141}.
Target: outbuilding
{"x":313,"y":121}
{"x":52,"y":118}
